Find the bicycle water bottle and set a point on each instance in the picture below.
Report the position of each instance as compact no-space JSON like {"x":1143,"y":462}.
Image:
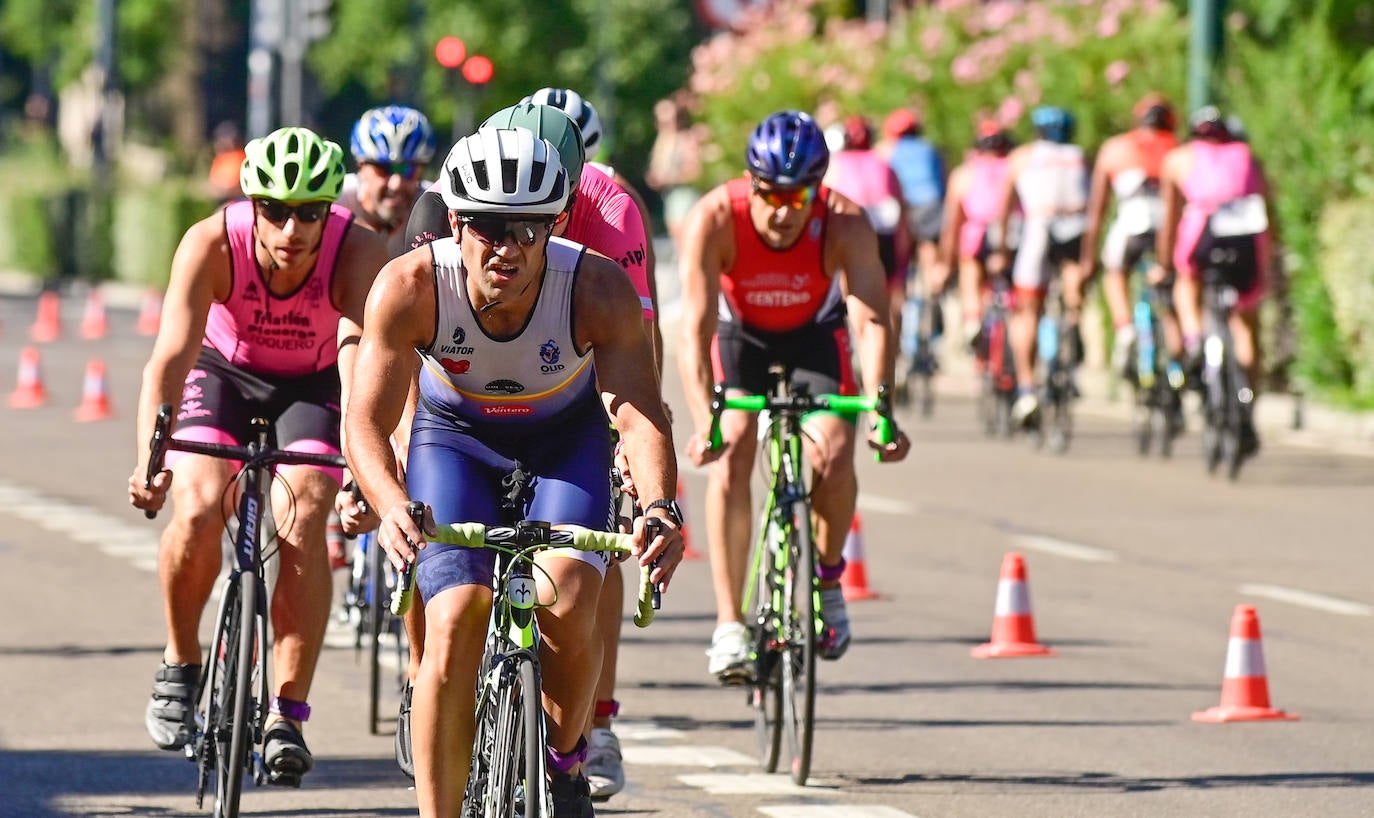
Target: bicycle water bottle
{"x":1048,"y":338}
{"x":911,"y":326}
{"x":1145,"y":344}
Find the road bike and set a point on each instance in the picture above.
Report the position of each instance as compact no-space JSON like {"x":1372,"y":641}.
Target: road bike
{"x":1154,"y":374}
{"x":1226,"y":393}
{"x":922,"y":324}
{"x":781,"y":603}
{"x":992,"y":346}
{"x":508,"y":775}
{"x":1058,"y":348}
{"x":231,"y":707}
{"x":365,"y":608}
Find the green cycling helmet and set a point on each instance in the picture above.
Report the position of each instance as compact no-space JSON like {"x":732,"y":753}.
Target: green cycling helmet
{"x":292,"y":165}
{"x":547,"y":122}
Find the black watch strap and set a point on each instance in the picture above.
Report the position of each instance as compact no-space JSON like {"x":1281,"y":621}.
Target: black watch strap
{"x":674,"y":510}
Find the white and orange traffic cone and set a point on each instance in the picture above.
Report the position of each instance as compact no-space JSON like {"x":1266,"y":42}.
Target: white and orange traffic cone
{"x":95,"y":401}
{"x":688,"y":552}
{"x":1244,"y":685}
{"x":48,"y":324}
{"x":1013,"y":628}
{"x":854,"y":580}
{"x":150,"y":314}
{"x":29,"y":392}
{"x":93,"y":324}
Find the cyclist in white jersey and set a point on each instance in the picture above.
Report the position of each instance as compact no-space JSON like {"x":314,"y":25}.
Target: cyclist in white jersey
{"x":504,"y":282}
{"x":1048,"y":177}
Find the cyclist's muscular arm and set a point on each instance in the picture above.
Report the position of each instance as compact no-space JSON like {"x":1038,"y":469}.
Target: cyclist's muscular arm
{"x":1171,"y":195}
{"x":398,"y":319}
{"x":707,"y":251}
{"x":1098,"y":192}
{"x":200,"y":275}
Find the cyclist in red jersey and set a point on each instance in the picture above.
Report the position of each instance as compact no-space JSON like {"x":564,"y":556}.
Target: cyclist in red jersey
{"x":780,"y":259}
{"x":250,"y":330}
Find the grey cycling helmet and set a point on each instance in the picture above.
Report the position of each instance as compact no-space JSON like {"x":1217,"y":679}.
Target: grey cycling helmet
{"x":292,"y":165}
{"x":506,"y":172}
{"x":577,"y":108}
{"x":547,"y":122}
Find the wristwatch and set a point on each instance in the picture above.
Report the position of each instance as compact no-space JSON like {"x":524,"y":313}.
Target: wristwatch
{"x":674,"y":510}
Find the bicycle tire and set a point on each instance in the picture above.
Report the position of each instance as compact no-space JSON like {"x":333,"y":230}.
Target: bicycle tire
{"x":800,"y":613}
{"x":373,"y":630}
{"x":765,"y":691}
{"x":475,"y":795}
{"x":232,"y":750}
{"x":515,"y":767}
{"x":210,"y":718}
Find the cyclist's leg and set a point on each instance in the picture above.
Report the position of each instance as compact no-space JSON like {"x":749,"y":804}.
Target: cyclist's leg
{"x":189,"y":557}
{"x":460,"y":479}
{"x":1030,"y":275}
{"x":604,"y":767}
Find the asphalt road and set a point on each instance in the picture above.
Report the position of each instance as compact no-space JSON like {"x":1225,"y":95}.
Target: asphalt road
{"x":1135,"y":567}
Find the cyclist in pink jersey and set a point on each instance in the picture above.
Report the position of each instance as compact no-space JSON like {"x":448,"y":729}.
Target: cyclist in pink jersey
{"x":862,"y":174}
{"x":249,"y":330}
{"x":972,"y":205}
{"x":1215,"y":170}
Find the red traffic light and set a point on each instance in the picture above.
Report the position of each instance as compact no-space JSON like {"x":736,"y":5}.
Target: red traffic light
{"x":478,"y":70}
{"x":450,"y":52}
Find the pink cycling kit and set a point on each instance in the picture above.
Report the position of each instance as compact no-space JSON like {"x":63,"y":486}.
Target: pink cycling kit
{"x":1219,"y":173}
{"x":607,"y":220}
{"x":982,"y":202}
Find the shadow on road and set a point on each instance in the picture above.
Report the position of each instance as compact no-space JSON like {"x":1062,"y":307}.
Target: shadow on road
{"x":1089,"y":781}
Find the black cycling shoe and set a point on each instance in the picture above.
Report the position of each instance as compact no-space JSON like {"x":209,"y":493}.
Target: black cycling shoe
{"x":1249,"y":440}
{"x":285,"y":753}
{"x":170,"y":715}
{"x":572,"y":796}
{"x":404,"y":759}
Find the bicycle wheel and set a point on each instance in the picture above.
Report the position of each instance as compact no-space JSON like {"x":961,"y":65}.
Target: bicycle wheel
{"x":515,"y":782}
{"x":372,"y":630}
{"x":222,"y":655}
{"x":765,"y":692}
{"x":232,"y":730}
{"x":800,"y":614}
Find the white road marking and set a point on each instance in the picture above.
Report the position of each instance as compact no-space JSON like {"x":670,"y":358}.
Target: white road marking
{"x":834,"y":811}
{"x":685,"y":756}
{"x":110,"y":534}
{"x":646,"y":731}
{"x":1307,"y":599}
{"x":1063,"y":548}
{"x":752,"y":784}
{"x":885,"y":505}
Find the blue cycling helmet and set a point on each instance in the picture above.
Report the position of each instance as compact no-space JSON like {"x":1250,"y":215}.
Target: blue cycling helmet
{"x":393,"y":134}
{"x":788,"y":149}
{"x":1053,"y":123}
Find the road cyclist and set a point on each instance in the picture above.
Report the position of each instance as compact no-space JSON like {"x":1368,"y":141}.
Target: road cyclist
{"x":605,"y":217}
{"x":249,"y":329}
{"x":1047,"y":179}
{"x":527,"y":342}
{"x":786,"y":261}
{"x":1216,"y":236}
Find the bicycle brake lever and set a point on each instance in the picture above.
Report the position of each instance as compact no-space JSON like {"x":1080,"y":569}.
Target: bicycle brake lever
{"x":652,"y":528}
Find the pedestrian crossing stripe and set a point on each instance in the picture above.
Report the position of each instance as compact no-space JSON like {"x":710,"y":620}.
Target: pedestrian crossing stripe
{"x":683,"y":756}
{"x":834,"y":811}
{"x":754,"y":784}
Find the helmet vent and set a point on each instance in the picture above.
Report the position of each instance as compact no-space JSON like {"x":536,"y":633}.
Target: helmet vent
{"x":510,"y":176}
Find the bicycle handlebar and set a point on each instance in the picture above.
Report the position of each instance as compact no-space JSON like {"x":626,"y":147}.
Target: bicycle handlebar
{"x":802,"y":404}
{"x":478,"y":535}
{"x":162,"y":443}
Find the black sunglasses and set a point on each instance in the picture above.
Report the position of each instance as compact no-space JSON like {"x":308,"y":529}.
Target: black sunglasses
{"x":409,"y":171}
{"x":278,"y":212}
{"x":494,"y":230}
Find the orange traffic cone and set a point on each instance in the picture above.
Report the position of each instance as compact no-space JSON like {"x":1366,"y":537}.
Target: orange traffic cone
{"x":150,"y":314}
{"x":29,"y":392}
{"x":1244,"y":686}
{"x":95,"y":403}
{"x":48,"y":325}
{"x":688,"y":552}
{"x":854,"y":580}
{"x":1013,"y":630}
{"x":93,"y":323}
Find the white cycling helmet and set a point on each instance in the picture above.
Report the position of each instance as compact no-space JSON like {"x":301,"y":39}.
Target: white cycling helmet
{"x":504,"y":171}
{"x":578,"y":110}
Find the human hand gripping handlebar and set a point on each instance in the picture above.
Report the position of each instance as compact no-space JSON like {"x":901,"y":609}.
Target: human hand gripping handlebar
{"x":157,"y":450}
{"x":881,"y":406}
{"x":478,"y":535}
